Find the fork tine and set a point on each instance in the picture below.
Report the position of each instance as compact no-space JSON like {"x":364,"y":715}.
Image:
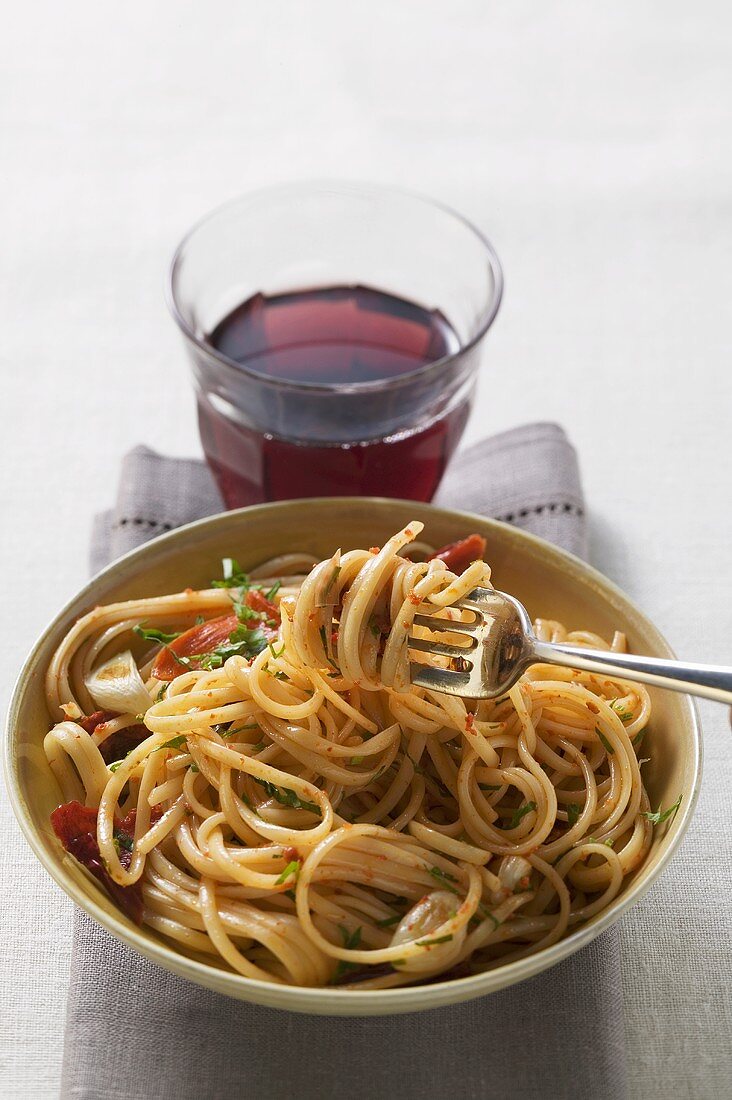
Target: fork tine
{"x":442,"y":648}
{"x":476,"y":600}
{"x":447,"y":626}
{"x":438,"y":679}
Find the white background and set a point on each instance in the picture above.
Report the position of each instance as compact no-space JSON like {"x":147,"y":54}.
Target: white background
{"x":592,"y":144}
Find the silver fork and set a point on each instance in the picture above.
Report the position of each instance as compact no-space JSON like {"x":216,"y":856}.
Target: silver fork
{"x":500,"y":645}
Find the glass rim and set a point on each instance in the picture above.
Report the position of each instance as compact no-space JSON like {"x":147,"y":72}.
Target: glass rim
{"x":343,"y":186}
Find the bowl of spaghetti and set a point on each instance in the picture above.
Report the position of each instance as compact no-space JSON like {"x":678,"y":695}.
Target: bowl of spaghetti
{"x":215,"y":750}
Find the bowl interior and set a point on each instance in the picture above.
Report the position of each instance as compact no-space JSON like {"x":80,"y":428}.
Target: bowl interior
{"x":549,"y":582}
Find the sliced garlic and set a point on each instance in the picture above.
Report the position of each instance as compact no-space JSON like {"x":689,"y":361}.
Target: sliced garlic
{"x":328,"y":586}
{"x":117,"y":685}
{"x":512,"y":870}
{"x":430,"y":913}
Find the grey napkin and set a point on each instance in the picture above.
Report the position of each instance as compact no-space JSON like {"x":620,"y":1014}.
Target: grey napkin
{"x":134,"y":1031}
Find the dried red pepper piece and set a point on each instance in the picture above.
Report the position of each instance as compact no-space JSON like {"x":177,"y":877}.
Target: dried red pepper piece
{"x":76,"y":827}
{"x":457,"y":556}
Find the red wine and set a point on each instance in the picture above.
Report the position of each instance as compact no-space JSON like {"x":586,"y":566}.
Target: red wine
{"x":336,"y":334}
{"x":337,"y":438}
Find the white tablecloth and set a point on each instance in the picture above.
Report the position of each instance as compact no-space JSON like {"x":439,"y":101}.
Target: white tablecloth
{"x":592,"y":143}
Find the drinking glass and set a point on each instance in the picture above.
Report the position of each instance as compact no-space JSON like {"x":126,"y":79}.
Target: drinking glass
{"x":277,"y":420}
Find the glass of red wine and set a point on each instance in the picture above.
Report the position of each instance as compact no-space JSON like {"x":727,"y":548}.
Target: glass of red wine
{"x":333,"y":331}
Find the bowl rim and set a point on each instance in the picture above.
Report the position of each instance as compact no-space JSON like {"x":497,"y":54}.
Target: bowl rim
{"x":330,"y":1000}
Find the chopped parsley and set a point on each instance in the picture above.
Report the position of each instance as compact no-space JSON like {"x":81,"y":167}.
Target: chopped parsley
{"x":356,"y":760}
{"x":118,"y":763}
{"x":292,"y":868}
{"x":270,"y":595}
{"x":122,"y":840}
{"x":439,"y":939}
{"x":663,"y":815}
{"x":351,"y":940}
{"x":374,"y":627}
{"x":243,"y":642}
{"x":474,"y":921}
{"x":433,"y":779}
{"x":228,"y":734}
{"x":287,"y":797}
{"x":244,"y":613}
{"x":234,"y":576}
{"x":608,"y":747}
{"x":248,"y":803}
{"x":290,"y":894}
{"x":331,"y":581}
{"x":324,"y":639}
{"x":445,"y":879}
{"x":638,"y":739}
{"x":278,"y":674}
{"x":174,"y":743}
{"x":488,"y":915}
{"x":520,"y":813}
{"x":150,"y":634}
{"x":623,"y":715}
{"x":489,"y":786}
{"x":573,"y":812}
{"x":276,"y":652}
{"x":387,"y":922}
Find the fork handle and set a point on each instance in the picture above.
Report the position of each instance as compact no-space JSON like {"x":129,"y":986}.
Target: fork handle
{"x":709,"y":681}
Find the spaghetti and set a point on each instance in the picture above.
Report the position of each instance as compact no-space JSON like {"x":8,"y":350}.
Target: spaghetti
{"x":280,"y":800}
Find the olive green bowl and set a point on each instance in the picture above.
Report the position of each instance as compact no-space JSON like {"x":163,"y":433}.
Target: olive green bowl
{"x":550,"y":583}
